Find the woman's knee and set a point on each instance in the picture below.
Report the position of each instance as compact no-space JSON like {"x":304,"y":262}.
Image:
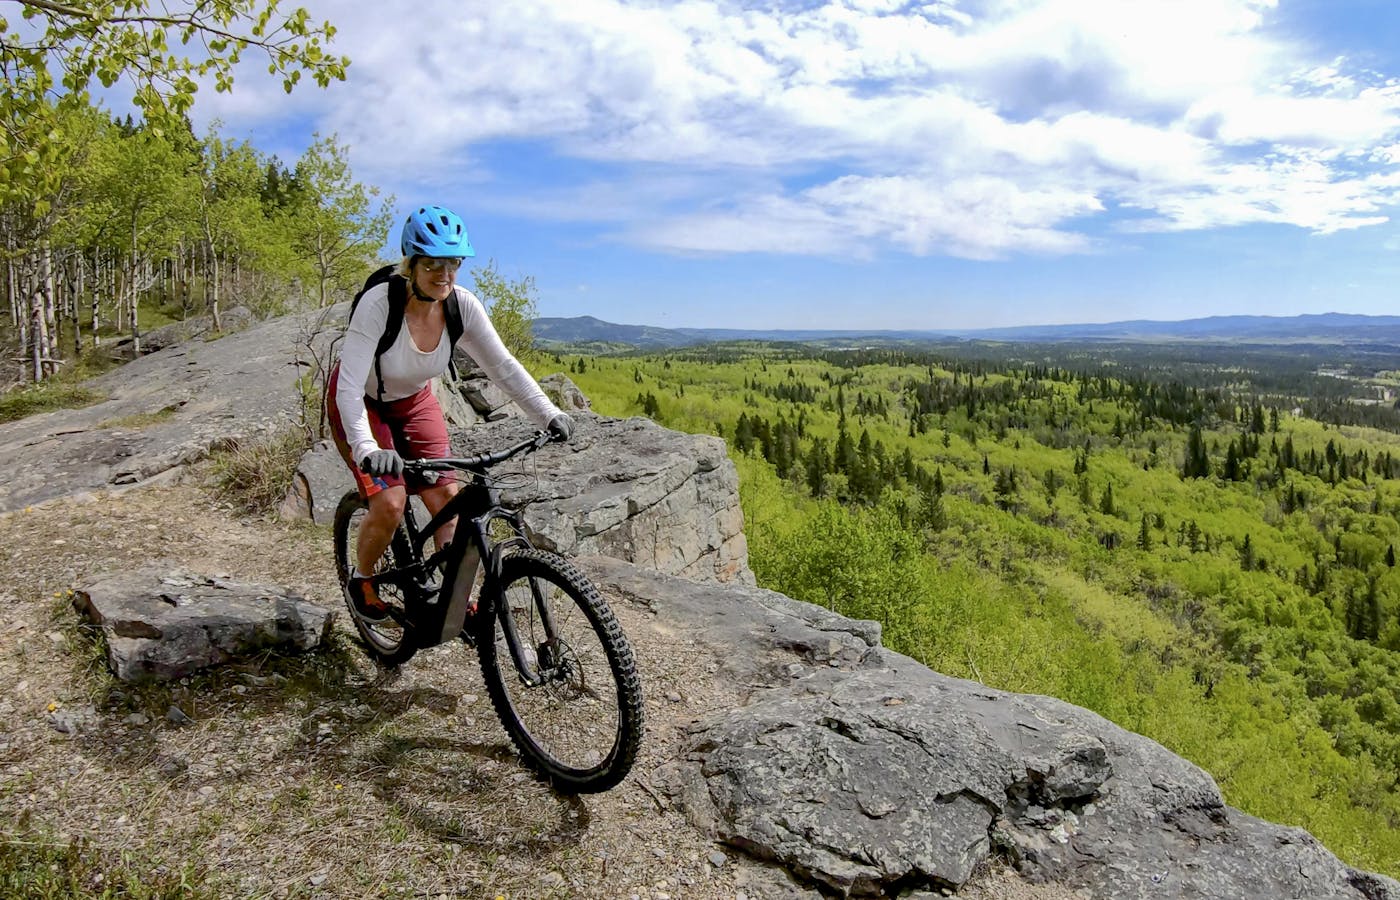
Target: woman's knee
{"x":388,"y":504}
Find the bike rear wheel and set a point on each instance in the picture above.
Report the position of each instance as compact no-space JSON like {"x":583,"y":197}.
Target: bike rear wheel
{"x":581,"y":725}
{"x":388,"y":641}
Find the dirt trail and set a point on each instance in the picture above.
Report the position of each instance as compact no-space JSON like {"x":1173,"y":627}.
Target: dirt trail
{"x":322,"y":776}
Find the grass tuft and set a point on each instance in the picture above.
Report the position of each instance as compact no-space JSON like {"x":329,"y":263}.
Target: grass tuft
{"x":46,"y":396}
{"x":142,"y":420}
{"x":254,"y":477}
{"x":35,"y":865}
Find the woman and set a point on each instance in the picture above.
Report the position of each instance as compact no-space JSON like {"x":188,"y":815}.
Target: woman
{"x":376,"y":426}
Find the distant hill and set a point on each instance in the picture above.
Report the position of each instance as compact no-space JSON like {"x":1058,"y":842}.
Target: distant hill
{"x":589,"y":330}
{"x":1325,"y":328}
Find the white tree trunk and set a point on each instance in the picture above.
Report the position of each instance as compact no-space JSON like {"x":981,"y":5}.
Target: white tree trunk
{"x":48,"y":288}
{"x":135,"y":309}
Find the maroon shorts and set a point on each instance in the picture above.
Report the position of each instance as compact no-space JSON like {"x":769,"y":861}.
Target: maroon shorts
{"x":414,"y":426}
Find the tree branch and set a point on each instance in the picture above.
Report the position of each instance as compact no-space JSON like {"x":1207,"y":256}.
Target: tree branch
{"x":190,"y":20}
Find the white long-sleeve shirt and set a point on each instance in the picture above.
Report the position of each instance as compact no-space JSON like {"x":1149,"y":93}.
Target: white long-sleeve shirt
{"x":407,"y":369}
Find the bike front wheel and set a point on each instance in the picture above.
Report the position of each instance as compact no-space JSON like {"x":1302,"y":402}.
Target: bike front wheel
{"x":573,"y":703}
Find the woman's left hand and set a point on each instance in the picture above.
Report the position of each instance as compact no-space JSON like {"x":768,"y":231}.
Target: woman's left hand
{"x":561,"y":427}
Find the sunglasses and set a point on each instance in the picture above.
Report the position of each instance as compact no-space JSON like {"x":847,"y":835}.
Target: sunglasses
{"x":437,"y":265}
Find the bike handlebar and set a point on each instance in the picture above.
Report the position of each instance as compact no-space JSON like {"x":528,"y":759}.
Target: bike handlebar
{"x":481,"y":461}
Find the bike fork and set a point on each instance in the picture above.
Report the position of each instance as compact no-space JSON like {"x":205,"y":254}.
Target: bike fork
{"x":530,"y":662}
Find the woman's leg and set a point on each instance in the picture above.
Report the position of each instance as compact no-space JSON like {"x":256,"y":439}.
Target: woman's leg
{"x":435,"y":498}
{"x":386,"y":493}
{"x":421,"y":431}
{"x":377,"y":529}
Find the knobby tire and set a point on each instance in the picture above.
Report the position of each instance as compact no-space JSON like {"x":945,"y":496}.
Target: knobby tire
{"x":582,"y":728}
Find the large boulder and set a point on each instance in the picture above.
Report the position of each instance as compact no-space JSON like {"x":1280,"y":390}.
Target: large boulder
{"x":867,"y":773}
{"x":161,"y":625}
{"x":629,"y":489}
{"x":318,"y":483}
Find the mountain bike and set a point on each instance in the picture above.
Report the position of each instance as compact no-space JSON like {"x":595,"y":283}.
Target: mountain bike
{"x":558,"y":669}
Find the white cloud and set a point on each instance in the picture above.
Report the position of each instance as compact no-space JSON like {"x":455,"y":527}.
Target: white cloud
{"x":982,"y":218}
{"x":1287,"y":192}
{"x":1242,"y":117}
{"x":980,"y":128}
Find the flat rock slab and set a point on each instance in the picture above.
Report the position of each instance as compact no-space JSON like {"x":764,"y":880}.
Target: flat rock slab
{"x":167,"y":410}
{"x":162,"y":625}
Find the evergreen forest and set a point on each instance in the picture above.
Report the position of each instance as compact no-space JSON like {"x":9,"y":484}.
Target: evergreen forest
{"x":1198,"y":544}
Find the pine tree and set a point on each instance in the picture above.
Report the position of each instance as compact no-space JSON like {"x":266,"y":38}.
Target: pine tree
{"x":1197,"y":464}
{"x":818,"y":463}
{"x":1231,"y":471}
{"x":1370,"y":619}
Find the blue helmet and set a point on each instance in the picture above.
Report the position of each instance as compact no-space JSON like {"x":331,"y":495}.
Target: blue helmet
{"x":435,"y":232}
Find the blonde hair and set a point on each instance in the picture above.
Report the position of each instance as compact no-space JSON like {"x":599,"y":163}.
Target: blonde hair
{"x":406,"y":267}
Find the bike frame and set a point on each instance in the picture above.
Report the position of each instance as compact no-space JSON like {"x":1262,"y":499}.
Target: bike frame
{"x":478,"y":537}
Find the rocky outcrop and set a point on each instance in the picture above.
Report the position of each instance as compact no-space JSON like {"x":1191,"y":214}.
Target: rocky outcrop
{"x":868,"y":774}
{"x":161,"y":625}
{"x":631,"y":489}
{"x":195,"y":328}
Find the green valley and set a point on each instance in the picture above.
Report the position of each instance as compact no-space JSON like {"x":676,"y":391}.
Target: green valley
{"x":1199,"y":544}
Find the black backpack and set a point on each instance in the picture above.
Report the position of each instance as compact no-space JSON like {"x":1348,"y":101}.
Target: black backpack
{"x":398,"y":302}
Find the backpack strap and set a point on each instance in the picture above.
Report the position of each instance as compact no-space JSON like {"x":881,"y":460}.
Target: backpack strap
{"x":398,"y":304}
{"x":452,"y":310}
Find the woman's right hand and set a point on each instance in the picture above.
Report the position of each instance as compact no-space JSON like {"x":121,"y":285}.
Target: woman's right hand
{"x":382,"y":462}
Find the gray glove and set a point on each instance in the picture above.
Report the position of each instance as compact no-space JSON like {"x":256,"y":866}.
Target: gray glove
{"x":382,"y":462}
{"x":561,"y":427}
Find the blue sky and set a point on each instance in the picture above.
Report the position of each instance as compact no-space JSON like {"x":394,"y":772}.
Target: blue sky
{"x":882,"y":164}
